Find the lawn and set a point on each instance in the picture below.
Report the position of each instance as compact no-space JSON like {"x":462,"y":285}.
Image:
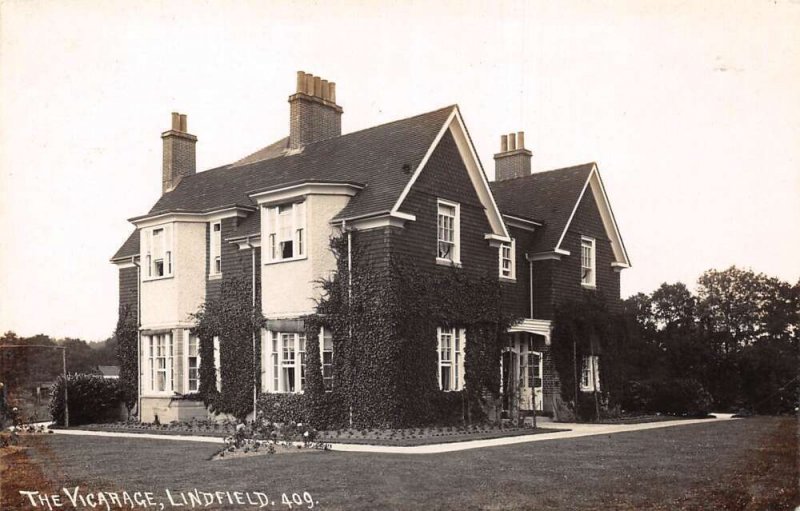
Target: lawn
{"x":720,"y":465}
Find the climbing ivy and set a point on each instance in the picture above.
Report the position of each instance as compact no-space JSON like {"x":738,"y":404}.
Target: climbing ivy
{"x":127,"y":334}
{"x":384,"y":319}
{"x":235,"y":320}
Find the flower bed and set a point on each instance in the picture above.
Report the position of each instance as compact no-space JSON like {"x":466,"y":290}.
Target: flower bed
{"x":427,"y":436}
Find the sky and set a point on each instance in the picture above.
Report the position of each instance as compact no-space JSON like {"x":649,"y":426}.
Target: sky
{"x":690,"y":109}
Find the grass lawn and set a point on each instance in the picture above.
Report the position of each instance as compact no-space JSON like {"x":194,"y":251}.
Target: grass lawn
{"x":720,"y":465}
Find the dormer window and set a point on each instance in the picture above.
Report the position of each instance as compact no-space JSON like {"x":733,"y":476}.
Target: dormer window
{"x":588,"y":277}
{"x":215,"y":249}
{"x":286,"y":232}
{"x":158,"y":252}
{"x":448,"y":235}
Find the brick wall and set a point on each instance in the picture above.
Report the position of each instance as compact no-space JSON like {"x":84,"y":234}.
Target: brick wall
{"x":312,"y":119}
{"x":178,"y":158}
{"x":566,"y":274}
{"x":236,"y":263}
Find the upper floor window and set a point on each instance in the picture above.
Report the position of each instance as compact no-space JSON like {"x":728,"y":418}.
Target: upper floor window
{"x":286,"y":232}
{"x":588,"y":277}
{"x":448,"y":235}
{"x":508,"y":260}
{"x":590,"y":374}
{"x":215,"y":250}
{"x":158,"y":252}
{"x":451,"y":358}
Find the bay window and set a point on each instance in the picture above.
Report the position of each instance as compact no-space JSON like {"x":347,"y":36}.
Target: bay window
{"x":286,"y":235}
{"x":215,"y":249}
{"x":451,"y":343}
{"x":158,"y":252}
{"x":159,"y":359}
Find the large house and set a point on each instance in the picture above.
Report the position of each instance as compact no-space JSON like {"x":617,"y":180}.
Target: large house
{"x":413,"y":186}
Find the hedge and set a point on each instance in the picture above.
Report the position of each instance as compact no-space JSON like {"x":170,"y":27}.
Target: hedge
{"x":92,"y":399}
{"x":672,"y":396}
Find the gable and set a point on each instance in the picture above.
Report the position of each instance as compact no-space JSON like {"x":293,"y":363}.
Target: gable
{"x":455,"y":129}
{"x":593,"y":187}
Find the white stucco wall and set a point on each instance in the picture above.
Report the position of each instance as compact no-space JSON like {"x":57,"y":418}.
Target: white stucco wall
{"x":288,"y":288}
{"x":167,"y":302}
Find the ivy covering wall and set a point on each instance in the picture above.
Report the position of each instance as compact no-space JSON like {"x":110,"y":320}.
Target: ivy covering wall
{"x":235,"y":320}
{"x":127,"y":334}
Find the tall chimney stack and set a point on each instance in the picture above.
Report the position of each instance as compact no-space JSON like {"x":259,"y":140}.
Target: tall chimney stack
{"x":179,"y":154}
{"x":313,"y":112}
{"x":513,"y":160}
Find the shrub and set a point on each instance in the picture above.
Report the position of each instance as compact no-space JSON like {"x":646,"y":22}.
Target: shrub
{"x":673,"y":396}
{"x":91,"y":399}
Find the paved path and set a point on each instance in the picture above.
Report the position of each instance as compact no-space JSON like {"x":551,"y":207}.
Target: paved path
{"x":575,"y":431}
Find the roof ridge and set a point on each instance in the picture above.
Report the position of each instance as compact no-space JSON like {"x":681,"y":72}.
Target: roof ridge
{"x":571,"y":167}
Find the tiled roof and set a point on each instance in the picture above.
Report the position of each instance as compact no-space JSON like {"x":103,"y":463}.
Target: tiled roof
{"x":382,"y":159}
{"x":548,"y":197}
{"x":129,"y":248}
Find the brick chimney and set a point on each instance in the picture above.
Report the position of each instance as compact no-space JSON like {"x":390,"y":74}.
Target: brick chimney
{"x":179,"y":154}
{"x":313,"y":112}
{"x":513,"y":160}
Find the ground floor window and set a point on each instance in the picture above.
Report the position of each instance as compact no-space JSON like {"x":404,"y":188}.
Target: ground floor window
{"x":192,"y":364}
{"x":286,"y":356}
{"x":159,"y":375}
{"x":451,"y":358}
{"x":326,"y":349}
{"x":217,"y":365}
{"x":590,"y":374}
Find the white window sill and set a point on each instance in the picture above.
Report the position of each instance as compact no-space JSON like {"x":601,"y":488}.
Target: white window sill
{"x":214,"y":276}
{"x":162,"y":395}
{"x":588,"y":286}
{"x":584,"y":389}
{"x":291,"y":259}
{"x":152,"y":279}
{"x":447,"y":262}
{"x":512,"y":280}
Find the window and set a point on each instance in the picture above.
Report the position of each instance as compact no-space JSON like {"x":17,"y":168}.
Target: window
{"x":159,"y":362}
{"x":215,"y":249}
{"x":448,"y":236}
{"x":587,"y":262}
{"x":451,"y":358}
{"x":193,"y":364}
{"x":286,"y":362}
{"x":158,"y":250}
{"x":590,"y":374}
{"x":508,"y":260}
{"x":327,"y":359}
{"x":217,"y":365}
{"x":286,"y":232}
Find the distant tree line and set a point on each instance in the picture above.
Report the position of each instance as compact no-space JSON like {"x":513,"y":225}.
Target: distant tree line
{"x":737,"y":336}
{"x":20,"y":367}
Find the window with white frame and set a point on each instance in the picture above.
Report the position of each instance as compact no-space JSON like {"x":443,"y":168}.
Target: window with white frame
{"x":192,"y":364}
{"x":217,"y":365}
{"x":326,"y":349}
{"x":508,"y":260}
{"x":158,"y":252}
{"x":590,"y":374}
{"x":159,"y":363}
{"x":451,"y":358}
{"x":588,"y":262}
{"x":286,"y":362}
{"x":215,"y":249}
{"x":448,"y":236}
{"x":286,"y":236}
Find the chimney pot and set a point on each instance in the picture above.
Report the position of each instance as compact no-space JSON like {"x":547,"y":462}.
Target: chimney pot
{"x":512,"y":142}
{"x":520,"y":140}
{"x":317,"y":87}
{"x":176,"y":121}
{"x":301,"y":81}
{"x":503,"y":143}
{"x":309,"y":84}
{"x":325,"y":95}
{"x":513,"y":160}
{"x":183,"y":124}
{"x":332,"y":91}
